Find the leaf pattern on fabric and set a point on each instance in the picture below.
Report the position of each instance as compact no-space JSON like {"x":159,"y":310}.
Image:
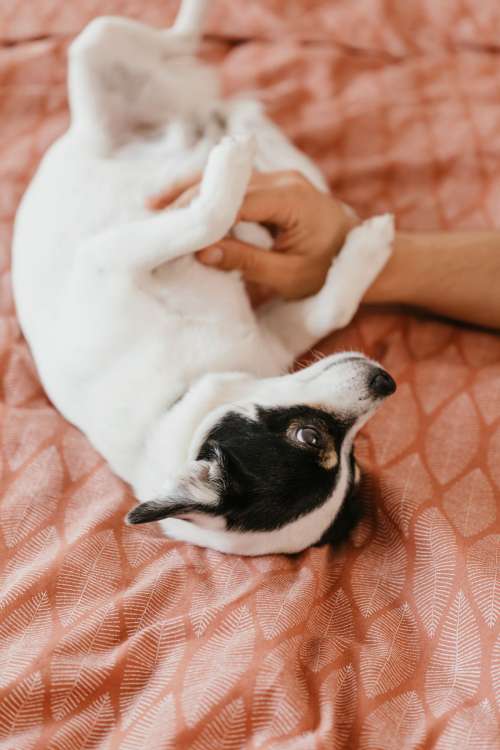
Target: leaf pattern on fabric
{"x":483,"y":567}
{"x":390,"y":652}
{"x":28,"y":565}
{"x":470,"y":503}
{"x":23,"y":636}
{"x":96,"y":500}
{"x":8,"y":332}
{"x":480,"y":348}
{"x":82,"y":660}
{"x":158,"y":588}
{"x":24,"y":432}
{"x":328,"y":566}
{"x":329,"y":632}
{"x":487,"y":393}
{"x":284,"y":602}
{"x":155,"y":729}
{"x":439,"y":378}
{"x":449,"y":681}
{"x":21,"y":710}
{"x":379,"y":572}
{"x":87,"y":729}
{"x":152,"y":660}
{"x":79,"y":456}
{"x":89,"y":576}
{"x":391,"y":435}
{"x":176,"y":664}
{"x":450,"y":450}
{"x":20,"y":382}
{"x":435,"y":561}
{"x":142,"y":545}
{"x":338,"y":695}
{"x":226,"y":732}
{"x":408,"y":485}
{"x":495,"y":670}
{"x":492,"y":457}
{"x":268,"y":563}
{"x":474,"y":727}
{"x":397,"y":723}
{"x":278,"y":707}
{"x":427,"y":337}
{"x":303,"y":741}
{"x":217,"y":665}
{"x":223,"y":581}
{"x":31,"y":499}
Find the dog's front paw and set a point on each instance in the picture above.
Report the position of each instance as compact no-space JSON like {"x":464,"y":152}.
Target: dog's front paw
{"x":373,"y":240}
{"x":224,"y":183}
{"x":235,"y":151}
{"x":229,"y":169}
{"x":381,"y":226}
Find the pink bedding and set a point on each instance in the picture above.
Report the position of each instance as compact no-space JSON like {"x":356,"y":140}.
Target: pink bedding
{"x":114,"y":637}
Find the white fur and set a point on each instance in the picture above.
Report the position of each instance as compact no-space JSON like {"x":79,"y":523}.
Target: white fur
{"x":121,"y":319}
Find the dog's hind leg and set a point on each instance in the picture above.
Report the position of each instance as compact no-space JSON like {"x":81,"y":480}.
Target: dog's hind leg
{"x":118,"y":75}
{"x":274,"y":151}
{"x":299,"y":325}
{"x":148,"y":243}
{"x":190,"y":17}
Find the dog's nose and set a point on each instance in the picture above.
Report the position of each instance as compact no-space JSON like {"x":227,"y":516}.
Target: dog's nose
{"x":381,"y":384}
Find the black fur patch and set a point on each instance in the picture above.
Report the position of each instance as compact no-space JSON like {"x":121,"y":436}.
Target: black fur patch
{"x":349,"y":514}
{"x":268,"y":479}
{"x":156,"y":510}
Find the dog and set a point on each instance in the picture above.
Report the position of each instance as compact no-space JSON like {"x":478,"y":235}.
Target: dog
{"x":160,"y":361}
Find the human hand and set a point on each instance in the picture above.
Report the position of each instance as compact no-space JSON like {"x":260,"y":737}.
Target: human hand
{"x":309,"y":228}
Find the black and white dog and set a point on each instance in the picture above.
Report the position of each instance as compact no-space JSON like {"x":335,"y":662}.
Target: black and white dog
{"x":159,"y":360}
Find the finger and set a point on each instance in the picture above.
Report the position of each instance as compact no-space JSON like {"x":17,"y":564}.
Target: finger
{"x":258,"y":294}
{"x":269,"y":269}
{"x":172,"y":193}
{"x":272,"y":198}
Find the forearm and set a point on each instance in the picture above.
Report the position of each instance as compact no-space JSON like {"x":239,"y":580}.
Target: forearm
{"x":452,"y":274}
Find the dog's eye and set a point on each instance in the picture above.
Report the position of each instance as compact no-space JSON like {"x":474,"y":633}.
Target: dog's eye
{"x":309,"y":436}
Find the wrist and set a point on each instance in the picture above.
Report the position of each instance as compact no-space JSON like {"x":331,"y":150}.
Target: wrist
{"x":346,"y":220}
{"x":393,"y":284}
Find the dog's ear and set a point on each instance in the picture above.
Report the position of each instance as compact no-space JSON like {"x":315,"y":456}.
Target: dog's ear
{"x":196,"y":490}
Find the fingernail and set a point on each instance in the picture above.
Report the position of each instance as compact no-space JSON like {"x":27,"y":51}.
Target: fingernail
{"x":212,"y":256}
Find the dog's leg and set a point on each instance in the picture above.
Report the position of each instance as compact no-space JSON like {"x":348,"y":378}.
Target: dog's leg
{"x":190,"y":17}
{"x":146,"y":244}
{"x":298,"y":325}
{"x":116,"y":75}
{"x":104,"y":77}
{"x":274,"y":150}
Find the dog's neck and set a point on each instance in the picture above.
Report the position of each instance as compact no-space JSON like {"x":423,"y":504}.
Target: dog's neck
{"x":177,"y":436}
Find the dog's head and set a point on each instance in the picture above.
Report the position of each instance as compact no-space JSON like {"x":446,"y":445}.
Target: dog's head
{"x":270,"y":474}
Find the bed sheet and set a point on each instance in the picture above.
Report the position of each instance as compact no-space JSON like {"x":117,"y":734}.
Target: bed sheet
{"x":115,"y":637}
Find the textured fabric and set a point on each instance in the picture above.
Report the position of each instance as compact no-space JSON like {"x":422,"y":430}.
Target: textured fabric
{"x":114,"y":637}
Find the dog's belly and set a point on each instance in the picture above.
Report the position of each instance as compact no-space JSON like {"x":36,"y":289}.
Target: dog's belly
{"x":114,"y":370}
{"x":73,"y":197}
{"x":117,"y":403}
{"x":95,"y":356}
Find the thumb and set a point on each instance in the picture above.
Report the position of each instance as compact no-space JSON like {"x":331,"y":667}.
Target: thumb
{"x":274,"y":270}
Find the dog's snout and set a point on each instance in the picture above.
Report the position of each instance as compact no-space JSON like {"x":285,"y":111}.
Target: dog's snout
{"x":382,"y":384}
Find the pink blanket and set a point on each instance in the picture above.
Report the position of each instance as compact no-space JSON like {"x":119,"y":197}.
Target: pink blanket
{"x":115,"y":637}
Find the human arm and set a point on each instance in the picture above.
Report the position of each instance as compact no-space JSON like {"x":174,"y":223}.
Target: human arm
{"x":454,"y":274}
